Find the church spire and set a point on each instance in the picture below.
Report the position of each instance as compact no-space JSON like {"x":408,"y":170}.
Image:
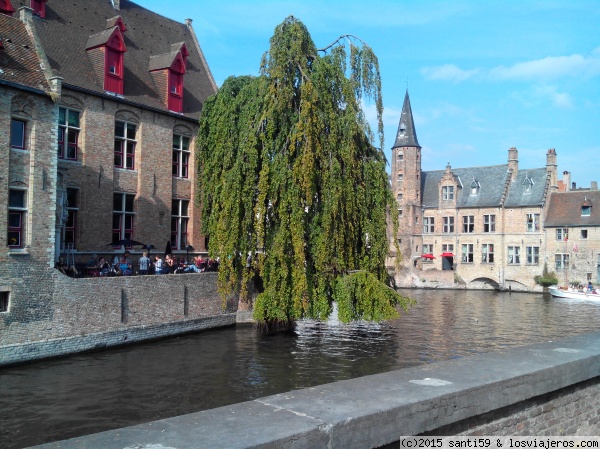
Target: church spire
{"x":406,"y":135}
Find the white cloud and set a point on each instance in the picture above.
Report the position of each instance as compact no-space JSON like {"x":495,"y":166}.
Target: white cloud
{"x":548,"y":68}
{"x":448,"y":72}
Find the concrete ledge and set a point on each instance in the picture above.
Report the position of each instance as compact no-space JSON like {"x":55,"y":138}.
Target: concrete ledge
{"x":374,"y":410}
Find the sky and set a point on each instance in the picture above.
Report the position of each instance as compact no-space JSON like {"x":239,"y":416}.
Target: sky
{"x":482,"y":76}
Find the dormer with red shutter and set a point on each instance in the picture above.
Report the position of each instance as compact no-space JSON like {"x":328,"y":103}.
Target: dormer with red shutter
{"x":167,"y":71}
{"x":106,"y":51}
{"x":39,"y":7}
{"x":6,"y":7}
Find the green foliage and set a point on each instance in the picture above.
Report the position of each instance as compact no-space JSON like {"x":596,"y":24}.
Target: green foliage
{"x":289,"y":174}
{"x":547,"y":279}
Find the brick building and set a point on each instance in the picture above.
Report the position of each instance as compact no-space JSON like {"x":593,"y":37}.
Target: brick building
{"x":479,"y":226}
{"x":99,"y":109}
{"x":572,"y":229}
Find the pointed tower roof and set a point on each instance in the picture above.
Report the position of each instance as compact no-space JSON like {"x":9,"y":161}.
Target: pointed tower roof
{"x":406,"y":135}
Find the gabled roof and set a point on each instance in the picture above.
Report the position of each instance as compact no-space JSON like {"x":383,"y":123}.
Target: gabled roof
{"x":103,"y":37}
{"x":19,"y":62}
{"x":164,"y":61}
{"x":491,"y":192}
{"x":564,"y":209}
{"x":406,"y":135}
{"x":67,"y":29}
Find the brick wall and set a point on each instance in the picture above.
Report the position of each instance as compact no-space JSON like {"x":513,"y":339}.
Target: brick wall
{"x":82,"y":314}
{"x":572,"y":410}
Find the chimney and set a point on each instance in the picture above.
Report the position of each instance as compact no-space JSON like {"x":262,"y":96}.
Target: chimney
{"x":551,"y":168}
{"x":513,"y":162}
{"x":116,"y":4}
{"x":573,"y":186}
{"x":594,"y":185}
{"x":567,"y":180}
{"x":188,"y":23}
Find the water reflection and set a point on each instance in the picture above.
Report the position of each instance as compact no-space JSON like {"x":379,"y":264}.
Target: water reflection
{"x":89,"y":393}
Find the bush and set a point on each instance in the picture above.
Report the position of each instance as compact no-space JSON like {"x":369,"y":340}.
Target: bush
{"x":547,"y":279}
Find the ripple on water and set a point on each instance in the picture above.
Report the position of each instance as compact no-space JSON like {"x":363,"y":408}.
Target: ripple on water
{"x":89,"y":393}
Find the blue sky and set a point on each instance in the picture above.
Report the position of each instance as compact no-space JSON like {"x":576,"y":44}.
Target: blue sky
{"x":483,"y":76}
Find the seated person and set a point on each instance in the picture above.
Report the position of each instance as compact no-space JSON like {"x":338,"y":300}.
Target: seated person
{"x":104,"y":268}
{"x":64,"y":269}
{"x":125,"y":265}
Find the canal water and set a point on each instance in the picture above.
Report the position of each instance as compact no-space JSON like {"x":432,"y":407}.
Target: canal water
{"x":82,"y":394}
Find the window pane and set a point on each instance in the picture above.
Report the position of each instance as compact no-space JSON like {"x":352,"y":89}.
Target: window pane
{"x":128,"y":222}
{"x":72,"y":197}
{"x":175,"y":207}
{"x":119,"y":129}
{"x":71,"y":152}
{"x":174,"y":224}
{"x":129,"y":202}
{"x":62,"y":112}
{"x":72,"y":137}
{"x":130,"y":148}
{"x":118,"y":201}
{"x":118,"y":160}
{"x":185,"y":144}
{"x":176,"y":141}
{"x":184,"y":208}
{"x":14,"y":220}
{"x":17,"y":134}
{"x":130,"y":131}
{"x":116,"y":223}
{"x":16,"y":198}
{"x":74,"y":119}
{"x":14,"y":238}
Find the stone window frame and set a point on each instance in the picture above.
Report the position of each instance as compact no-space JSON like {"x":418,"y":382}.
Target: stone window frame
{"x":513,"y":254}
{"x":487,"y":253}
{"x":467,"y":253}
{"x":448,"y":225}
{"x":20,"y":211}
{"x":532,"y":255}
{"x":489,"y":223}
{"x":468,"y":224}
{"x":23,"y":141}
{"x":447,"y":193}
{"x":123,"y":215}
{"x":180,"y":218}
{"x":561,"y":261}
{"x":428,"y":225}
{"x":68,"y":130}
{"x":533,"y":222}
{"x":125,"y":144}
{"x":562,"y":234}
{"x":181,"y":156}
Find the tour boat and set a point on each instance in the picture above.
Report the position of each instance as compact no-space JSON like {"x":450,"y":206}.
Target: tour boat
{"x":573,"y":294}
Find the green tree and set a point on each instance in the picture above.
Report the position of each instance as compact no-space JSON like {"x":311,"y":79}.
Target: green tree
{"x":289,"y":174}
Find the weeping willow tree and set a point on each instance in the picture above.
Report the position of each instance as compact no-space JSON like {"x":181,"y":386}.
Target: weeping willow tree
{"x":294,"y":189}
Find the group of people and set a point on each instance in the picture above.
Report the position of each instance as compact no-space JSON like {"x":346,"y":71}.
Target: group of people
{"x":123,"y":266}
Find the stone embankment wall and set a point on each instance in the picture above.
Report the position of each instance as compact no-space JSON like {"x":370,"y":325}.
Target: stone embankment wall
{"x":549,"y":388}
{"x":85,"y":314}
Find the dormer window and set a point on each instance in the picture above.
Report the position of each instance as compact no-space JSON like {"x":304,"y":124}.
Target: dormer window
{"x":167,"y":70}
{"x":475,"y":187}
{"x":39,"y":7}
{"x":447,"y":193}
{"x":527,"y":184}
{"x":586,"y":211}
{"x":106,"y":51}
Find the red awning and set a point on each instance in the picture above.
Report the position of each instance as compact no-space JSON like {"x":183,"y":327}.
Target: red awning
{"x":427,"y":256}
{"x":446,"y":255}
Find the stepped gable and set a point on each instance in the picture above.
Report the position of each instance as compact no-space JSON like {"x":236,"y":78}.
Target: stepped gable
{"x":564,"y":209}
{"x":69,"y":25}
{"x":19,"y":62}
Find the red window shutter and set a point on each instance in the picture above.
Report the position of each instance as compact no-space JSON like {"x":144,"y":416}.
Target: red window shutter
{"x":39,"y":7}
{"x":175,"y":91}
{"x":113,"y":76}
{"x":6,"y":7}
